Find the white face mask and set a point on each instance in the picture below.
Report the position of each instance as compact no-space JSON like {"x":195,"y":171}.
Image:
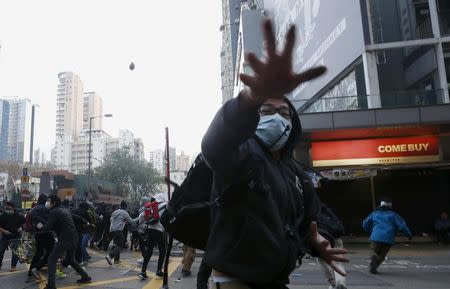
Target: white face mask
{"x":47,"y":205}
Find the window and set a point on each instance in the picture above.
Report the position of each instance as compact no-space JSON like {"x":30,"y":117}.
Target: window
{"x":444,"y":16}
{"x":446,"y":47}
{"x":408,"y":76}
{"x":400,"y":20}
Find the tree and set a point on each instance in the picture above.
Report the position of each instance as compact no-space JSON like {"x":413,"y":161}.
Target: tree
{"x":135,"y":178}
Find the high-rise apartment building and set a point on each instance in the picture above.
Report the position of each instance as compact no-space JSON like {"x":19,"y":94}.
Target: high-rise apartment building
{"x":157,"y":160}
{"x":4,"y":126}
{"x":80,"y":151}
{"x":69,"y":105}
{"x":15,"y":129}
{"x":183,"y":162}
{"x":139,"y":152}
{"x":230,"y":28}
{"x":69,"y":117}
{"x":92,"y":107}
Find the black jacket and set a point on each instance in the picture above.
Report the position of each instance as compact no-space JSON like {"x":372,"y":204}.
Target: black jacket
{"x":12,"y":223}
{"x":39,"y":214}
{"x":330,"y":226}
{"x":60,"y":221}
{"x":260,"y":229}
{"x":80,"y":218}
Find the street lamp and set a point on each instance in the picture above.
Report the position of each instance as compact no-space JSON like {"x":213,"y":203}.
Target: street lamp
{"x":89,"y":149}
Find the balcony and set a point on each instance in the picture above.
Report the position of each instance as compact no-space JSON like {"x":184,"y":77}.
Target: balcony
{"x":402,"y":108}
{"x":389,"y":100}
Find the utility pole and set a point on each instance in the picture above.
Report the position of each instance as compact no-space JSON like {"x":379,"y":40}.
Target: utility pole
{"x":89,"y":151}
{"x":167,"y":163}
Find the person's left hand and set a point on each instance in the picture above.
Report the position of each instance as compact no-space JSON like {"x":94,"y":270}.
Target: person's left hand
{"x":326,"y":253}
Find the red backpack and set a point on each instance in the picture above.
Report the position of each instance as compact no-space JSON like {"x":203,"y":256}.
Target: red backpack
{"x":151,"y":213}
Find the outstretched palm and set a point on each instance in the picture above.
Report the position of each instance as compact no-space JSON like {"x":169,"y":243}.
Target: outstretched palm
{"x":274,"y":76}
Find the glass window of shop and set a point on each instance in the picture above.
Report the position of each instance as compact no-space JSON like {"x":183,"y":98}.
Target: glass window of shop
{"x":443,"y":7}
{"x":348,"y":93}
{"x":400,"y":20}
{"x":408,"y":77}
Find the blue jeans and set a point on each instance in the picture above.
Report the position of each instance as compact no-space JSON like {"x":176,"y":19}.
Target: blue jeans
{"x":84,"y":245}
{"x":3,"y":245}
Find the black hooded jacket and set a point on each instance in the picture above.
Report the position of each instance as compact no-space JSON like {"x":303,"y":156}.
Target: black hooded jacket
{"x":61,"y":222}
{"x":39,"y":214}
{"x":259,"y":230}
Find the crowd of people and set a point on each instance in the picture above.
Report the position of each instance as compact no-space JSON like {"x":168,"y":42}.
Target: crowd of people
{"x":62,"y":234}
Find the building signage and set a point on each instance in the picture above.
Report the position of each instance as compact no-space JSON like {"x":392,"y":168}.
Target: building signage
{"x":384,"y":151}
{"x":324,"y":30}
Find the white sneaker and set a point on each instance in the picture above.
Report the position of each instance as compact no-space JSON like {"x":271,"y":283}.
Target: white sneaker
{"x":108,"y":259}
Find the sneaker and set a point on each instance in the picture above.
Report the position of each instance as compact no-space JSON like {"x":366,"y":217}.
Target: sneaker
{"x":13,"y":269}
{"x":35,"y":274}
{"x":373,"y":271}
{"x":60,"y":274}
{"x":143,"y":276}
{"x":29,"y":279}
{"x":84,"y":280}
{"x":341,"y":286}
{"x":117,"y":262}
{"x":108,"y":259}
{"x":159,"y":273}
{"x":185,"y":273}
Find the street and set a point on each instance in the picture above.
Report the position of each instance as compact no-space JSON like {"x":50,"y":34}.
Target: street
{"x":413,"y":266}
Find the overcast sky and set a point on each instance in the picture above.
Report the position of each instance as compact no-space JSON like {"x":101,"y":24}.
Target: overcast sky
{"x":174,"y":44}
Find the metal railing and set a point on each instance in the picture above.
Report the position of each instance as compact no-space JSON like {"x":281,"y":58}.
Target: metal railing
{"x":389,"y":99}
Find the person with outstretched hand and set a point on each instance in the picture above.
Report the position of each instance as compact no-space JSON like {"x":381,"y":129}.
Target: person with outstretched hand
{"x":264,"y":217}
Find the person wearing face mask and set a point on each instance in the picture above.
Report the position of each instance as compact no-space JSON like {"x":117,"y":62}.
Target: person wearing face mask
{"x":61,"y":222}
{"x":259,"y":231}
{"x":10,"y":229}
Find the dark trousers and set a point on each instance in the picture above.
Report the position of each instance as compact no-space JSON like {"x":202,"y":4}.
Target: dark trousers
{"x":44,"y":245}
{"x":379,"y":252}
{"x":105,"y":239}
{"x":13,"y":243}
{"x":204,"y":272}
{"x":58,"y":251}
{"x":153,"y":238}
{"x":443,"y":236}
{"x":78,"y":252}
{"x":119,"y":243}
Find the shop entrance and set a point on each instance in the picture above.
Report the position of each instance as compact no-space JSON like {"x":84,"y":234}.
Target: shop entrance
{"x":418,"y":195}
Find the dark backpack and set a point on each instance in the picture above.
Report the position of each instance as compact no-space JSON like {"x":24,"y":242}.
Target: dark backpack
{"x":190,"y":205}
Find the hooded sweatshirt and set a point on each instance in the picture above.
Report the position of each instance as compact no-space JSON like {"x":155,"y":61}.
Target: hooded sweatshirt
{"x":161,"y":199}
{"x":262,"y":225}
{"x":118,"y":220}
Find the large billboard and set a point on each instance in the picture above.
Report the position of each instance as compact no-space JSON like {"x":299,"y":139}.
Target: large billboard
{"x":329,"y":32}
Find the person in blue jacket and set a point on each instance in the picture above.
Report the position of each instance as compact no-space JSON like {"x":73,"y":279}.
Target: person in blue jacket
{"x":383,"y":224}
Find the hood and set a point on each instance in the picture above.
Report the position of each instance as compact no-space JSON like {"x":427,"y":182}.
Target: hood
{"x":383,"y":208}
{"x":160,"y":198}
{"x":296,"y":132}
{"x":42,"y":199}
